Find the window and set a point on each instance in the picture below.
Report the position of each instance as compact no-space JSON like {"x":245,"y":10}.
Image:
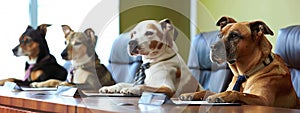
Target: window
{"x":56,"y":12}
{"x":14,"y":21}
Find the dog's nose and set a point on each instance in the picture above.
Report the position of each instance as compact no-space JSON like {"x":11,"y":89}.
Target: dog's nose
{"x":133,"y":43}
{"x":15,"y":50}
{"x":64,"y":54}
{"x":133,"y":46}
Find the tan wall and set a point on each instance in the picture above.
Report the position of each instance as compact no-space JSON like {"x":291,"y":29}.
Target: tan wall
{"x":275,"y":13}
{"x":178,"y":11}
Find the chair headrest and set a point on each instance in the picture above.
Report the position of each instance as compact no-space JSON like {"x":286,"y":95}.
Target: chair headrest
{"x":119,"y":51}
{"x":202,"y":43}
{"x":288,"y":45}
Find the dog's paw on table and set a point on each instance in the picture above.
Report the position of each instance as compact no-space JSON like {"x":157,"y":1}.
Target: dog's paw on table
{"x":6,"y":80}
{"x":110,"y":89}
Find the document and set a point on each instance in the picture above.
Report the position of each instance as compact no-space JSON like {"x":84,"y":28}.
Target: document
{"x":14,"y":86}
{"x":38,"y":89}
{"x":180,"y":102}
{"x":92,"y":93}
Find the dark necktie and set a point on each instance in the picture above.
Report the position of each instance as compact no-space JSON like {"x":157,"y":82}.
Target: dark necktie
{"x":140,"y":75}
{"x":239,"y":82}
{"x":70,"y":80}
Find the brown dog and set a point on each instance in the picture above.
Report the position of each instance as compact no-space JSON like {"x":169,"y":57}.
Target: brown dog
{"x":260,"y":76}
{"x":87,"y":72}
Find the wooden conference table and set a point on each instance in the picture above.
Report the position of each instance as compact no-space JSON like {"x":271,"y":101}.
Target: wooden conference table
{"x":47,"y":101}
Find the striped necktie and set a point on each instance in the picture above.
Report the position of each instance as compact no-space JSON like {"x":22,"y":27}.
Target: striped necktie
{"x":140,"y":75}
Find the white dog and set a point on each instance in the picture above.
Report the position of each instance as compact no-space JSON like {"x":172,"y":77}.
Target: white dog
{"x":167,"y":73}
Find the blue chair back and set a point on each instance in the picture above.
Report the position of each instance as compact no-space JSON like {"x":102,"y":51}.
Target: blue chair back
{"x":122,"y":66}
{"x":211,"y":76}
{"x":288,"y":47}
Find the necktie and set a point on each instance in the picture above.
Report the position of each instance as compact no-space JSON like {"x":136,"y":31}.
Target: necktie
{"x":28,"y":71}
{"x":239,"y":82}
{"x":71,"y":77}
{"x":140,"y":75}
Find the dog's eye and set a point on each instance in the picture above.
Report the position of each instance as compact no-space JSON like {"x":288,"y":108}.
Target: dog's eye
{"x":27,"y":41}
{"x":233,"y":36}
{"x":148,"y":33}
{"x":23,"y":41}
{"x":77,"y":43}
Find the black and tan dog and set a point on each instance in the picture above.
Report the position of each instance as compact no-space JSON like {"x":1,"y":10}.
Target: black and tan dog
{"x":260,"y":76}
{"x":87,"y":72}
{"x":41,"y":66}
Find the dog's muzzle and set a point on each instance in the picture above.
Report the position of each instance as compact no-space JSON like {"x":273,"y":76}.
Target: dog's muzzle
{"x":218,"y":52}
{"x":16,"y":51}
{"x":133,"y":47}
{"x":64,"y":54}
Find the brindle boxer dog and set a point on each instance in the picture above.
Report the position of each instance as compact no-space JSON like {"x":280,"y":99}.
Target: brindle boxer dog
{"x":260,"y":76}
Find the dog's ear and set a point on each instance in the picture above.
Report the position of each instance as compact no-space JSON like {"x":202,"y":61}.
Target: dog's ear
{"x":260,"y":28}
{"x":28,"y":28}
{"x":91,"y":34}
{"x":167,"y":25}
{"x":43,"y":29}
{"x":92,"y":38}
{"x":66,"y":29}
{"x":223,"y":21}
{"x":170,"y":33}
